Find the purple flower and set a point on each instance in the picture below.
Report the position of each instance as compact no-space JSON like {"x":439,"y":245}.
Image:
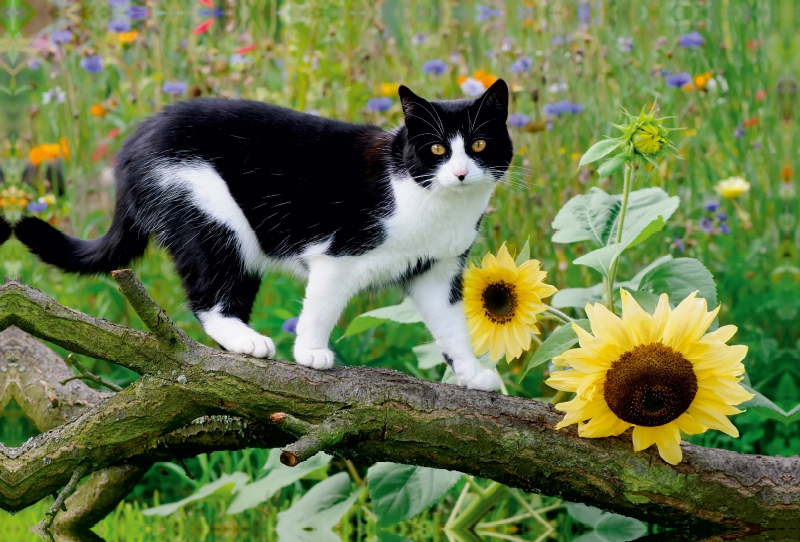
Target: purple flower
{"x":516,"y":120}
{"x":722,"y":217}
{"x":665,"y":72}
{"x":92,"y":64}
{"x":679,"y":245}
{"x":549,"y":125}
{"x":625,"y":44}
{"x":419,"y":38}
{"x":522,"y":64}
{"x":707,"y":225}
{"x":738,"y":132}
{"x":37,"y":206}
{"x":236,"y":59}
{"x":34,"y":64}
{"x":486,"y":12}
{"x":472,"y":87}
{"x":379,"y":104}
{"x":678,"y":80}
{"x":690,"y":40}
{"x":175,"y":88}
{"x":119,"y":25}
{"x":60,"y":37}
{"x":290,"y":325}
{"x":724,"y":228}
{"x":712,"y":206}
{"x":560,"y":108}
{"x":756,"y":145}
{"x":216,"y":12}
{"x":435,"y":67}
{"x":558,"y":40}
{"x":118,"y":3}
{"x":584,"y":13}
{"x":138,"y":12}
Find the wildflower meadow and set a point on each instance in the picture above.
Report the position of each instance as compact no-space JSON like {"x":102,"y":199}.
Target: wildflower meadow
{"x":637,"y":268}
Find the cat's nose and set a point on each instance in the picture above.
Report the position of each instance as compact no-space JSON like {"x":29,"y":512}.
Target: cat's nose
{"x":461,"y":173}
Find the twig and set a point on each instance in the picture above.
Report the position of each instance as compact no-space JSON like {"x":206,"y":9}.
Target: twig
{"x":86,"y":375}
{"x":312,"y":438}
{"x":50,"y":515}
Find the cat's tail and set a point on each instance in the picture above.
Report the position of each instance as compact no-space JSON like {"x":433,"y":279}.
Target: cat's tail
{"x":122,"y":243}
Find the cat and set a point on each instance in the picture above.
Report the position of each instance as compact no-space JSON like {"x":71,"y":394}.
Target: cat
{"x":233,"y":187}
{"x":5,"y":230}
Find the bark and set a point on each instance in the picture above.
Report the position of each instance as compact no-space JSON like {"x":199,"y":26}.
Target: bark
{"x":365,"y":414}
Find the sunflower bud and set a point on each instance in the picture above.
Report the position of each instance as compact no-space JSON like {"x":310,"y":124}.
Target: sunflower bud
{"x":647,"y":140}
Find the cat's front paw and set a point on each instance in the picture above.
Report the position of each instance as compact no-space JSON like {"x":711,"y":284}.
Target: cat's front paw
{"x":316,"y":358}
{"x":247,"y":341}
{"x":481,"y":379}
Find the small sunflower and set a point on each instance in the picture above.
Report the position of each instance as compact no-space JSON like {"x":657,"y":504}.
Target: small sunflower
{"x":732,"y":187}
{"x":501,"y":301}
{"x":657,"y":373}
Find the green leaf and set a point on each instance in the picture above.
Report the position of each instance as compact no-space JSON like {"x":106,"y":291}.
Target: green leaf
{"x":559,"y":341}
{"x":767,"y":409}
{"x":219,"y":490}
{"x":680,"y":277}
{"x":655,"y":226}
{"x":404,"y":313}
{"x":637,"y":278}
{"x":586,"y":217}
{"x":428,"y":355}
{"x":598,"y":150}
{"x":279,"y":476}
{"x":524,"y":254}
{"x":311,"y":518}
{"x":577,"y":297}
{"x":616,"y":528}
{"x":644,"y":207}
{"x":612,"y":165}
{"x":400,"y":492}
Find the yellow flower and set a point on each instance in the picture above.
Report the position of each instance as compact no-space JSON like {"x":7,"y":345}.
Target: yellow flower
{"x":389,"y":89}
{"x":647,"y":139}
{"x":98,"y":110}
{"x":501,"y":301}
{"x":44,"y":152}
{"x":128,"y":37}
{"x":657,"y":373}
{"x":702,"y":80}
{"x":732,"y":187}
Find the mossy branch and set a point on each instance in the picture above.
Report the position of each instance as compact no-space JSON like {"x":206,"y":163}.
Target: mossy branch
{"x":204,"y":400}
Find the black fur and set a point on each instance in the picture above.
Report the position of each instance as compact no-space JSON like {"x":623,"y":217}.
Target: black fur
{"x":5,"y":230}
{"x":298,"y":178}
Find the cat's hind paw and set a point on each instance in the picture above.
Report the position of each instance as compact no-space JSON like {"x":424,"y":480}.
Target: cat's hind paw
{"x":252,"y":343}
{"x":316,"y":358}
{"x":483,"y":379}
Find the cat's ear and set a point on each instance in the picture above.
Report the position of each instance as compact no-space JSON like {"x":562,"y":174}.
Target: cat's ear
{"x":496,"y":97}
{"x":415,"y":109}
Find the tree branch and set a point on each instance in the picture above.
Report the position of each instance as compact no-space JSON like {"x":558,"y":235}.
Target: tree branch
{"x":390,"y":417}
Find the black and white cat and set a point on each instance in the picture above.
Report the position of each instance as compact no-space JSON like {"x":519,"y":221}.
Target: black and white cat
{"x":233,"y":188}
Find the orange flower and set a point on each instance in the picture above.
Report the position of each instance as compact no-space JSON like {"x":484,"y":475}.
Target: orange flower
{"x":485,"y":77}
{"x":461,"y":79}
{"x":128,"y":37}
{"x":44,"y":152}
{"x":749,"y":123}
{"x":702,"y":80}
{"x":786,"y":172}
{"x":98,"y":110}
{"x":64,"y":147}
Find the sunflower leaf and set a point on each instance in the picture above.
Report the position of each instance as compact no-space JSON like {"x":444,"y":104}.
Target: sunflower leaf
{"x":767,"y":409}
{"x":680,"y":277}
{"x":598,"y":151}
{"x":559,"y":341}
{"x":429,"y":355}
{"x":403,"y":313}
{"x":524,"y":254}
{"x":612,"y":165}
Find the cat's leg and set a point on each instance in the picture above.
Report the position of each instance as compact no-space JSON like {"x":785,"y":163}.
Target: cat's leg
{"x":437,"y":296}
{"x":331,"y":284}
{"x":220,"y":291}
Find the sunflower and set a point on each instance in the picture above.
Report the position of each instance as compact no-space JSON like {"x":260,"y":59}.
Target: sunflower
{"x":501,"y":301}
{"x":657,"y":373}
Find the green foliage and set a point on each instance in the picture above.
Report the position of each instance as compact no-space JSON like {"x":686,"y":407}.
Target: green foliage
{"x":559,"y":341}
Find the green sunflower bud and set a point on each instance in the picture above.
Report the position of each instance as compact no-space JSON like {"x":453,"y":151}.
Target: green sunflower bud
{"x":646,"y":140}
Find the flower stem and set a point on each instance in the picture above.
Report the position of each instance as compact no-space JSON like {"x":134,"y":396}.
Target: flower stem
{"x":612,"y":273}
{"x":557,"y":313}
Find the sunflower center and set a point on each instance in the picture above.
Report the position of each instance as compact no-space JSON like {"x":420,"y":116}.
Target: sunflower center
{"x":650,"y":385}
{"x":499,"y":302}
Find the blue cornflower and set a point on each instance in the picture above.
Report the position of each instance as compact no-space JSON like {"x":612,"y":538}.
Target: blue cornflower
{"x":138,"y":12}
{"x":119,"y":25}
{"x":679,"y":245}
{"x":290,"y":325}
{"x":486,"y":12}
{"x":216,"y":12}
{"x":756,"y":145}
{"x":724,"y":228}
{"x":175,"y":88}
{"x":707,"y":225}
{"x":379,"y":104}
{"x":678,"y":80}
{"x":236,"y":59}
{"x":522,"y":64}
{"x":517,"y":120}
{"x":37,"y":206}
{"x":665,"y":72}
{"x":118,"y":3}
{"x":712,"y":206}
{"x":722,"y":217}
{"x":60,"y":37}
{"x":34,"y":64}
{"x":558,"y":40}
{"x":738,"y":132}
{"x":560,"y":108}
{"x":584,"y":13}
{"x":549,"y":125}
{"x":690,"y":40}
{"x":435,"y":67}
{"x":419,"y":38}
{"x":625,"y":44}
{"x":92,"y":64}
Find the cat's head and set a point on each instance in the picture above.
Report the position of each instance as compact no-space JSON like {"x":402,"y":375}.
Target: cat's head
{"x":457,"y":142}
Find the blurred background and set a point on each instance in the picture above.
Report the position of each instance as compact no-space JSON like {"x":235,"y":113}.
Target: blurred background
{"x":77,"y":76}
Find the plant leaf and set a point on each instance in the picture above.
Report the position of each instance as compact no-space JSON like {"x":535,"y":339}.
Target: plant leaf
{"x":428,"y":355}
{"x":598,"y":150}
{"x":219,"y":490}
{"x":767,"y":409}
{"x":559,"y":341}
{"x":400,"y":492}
{"x":404,"y":313}
{"x":524,"y":254}
{"x":680,"y":277}
{"x":612,"y":165}
{"x":313,"y":516}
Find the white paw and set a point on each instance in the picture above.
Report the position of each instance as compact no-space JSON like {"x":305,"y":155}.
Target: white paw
{"x":316,"y":358}
{"x":483,"y":379}
{"x":250,"y":343}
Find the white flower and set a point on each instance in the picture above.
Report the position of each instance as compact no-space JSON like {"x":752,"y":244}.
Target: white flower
{"x":472,"y":87}
{"x":559,"y":87}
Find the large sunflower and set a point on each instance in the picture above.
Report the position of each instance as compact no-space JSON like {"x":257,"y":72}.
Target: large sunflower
{"x":657,"y":373}
{"x":501,"y":301}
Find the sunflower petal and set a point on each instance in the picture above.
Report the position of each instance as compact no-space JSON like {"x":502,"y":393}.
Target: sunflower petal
{"x":668,"y":440}
{"x":643,"y":437}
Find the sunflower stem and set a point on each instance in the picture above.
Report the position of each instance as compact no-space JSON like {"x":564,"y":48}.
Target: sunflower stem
{"x":612,"y":272}
{"x":558,"y":314}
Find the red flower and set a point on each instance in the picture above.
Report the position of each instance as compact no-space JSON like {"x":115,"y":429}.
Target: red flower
{"x":209,"y":3}
{"x":761,"y":95}
{"x":247,"y":49}
{"x":113,"y":133}
{"x":102,"y":149}
{"x":203,"y":27}
{"x":752,"y":121}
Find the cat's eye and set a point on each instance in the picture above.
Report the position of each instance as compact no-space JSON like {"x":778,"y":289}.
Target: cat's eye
{"x":478,"y":145}
{"x":437,"y":149}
